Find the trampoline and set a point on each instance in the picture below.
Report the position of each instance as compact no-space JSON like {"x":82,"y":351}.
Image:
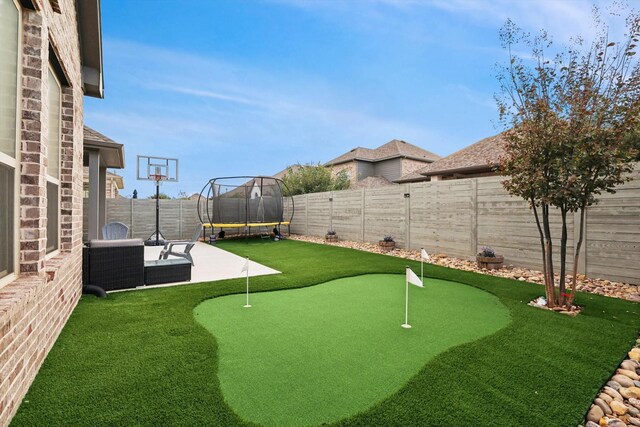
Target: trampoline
{"x":244,"y":205}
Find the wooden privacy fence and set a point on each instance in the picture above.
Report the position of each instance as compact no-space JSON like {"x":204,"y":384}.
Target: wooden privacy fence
{"x":178,"y":218}
{"x":456,"y":217}
{"x":459,"y":217}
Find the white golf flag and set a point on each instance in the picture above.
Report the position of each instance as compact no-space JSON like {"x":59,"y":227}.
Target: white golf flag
{"x":245,"y":267}
{"x":425,"y":255}
{"x":413,"y":279}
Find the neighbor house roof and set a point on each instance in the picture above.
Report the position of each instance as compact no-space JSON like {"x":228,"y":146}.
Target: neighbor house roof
{"x":111,"y":153}
{"x":391,"y":150}
{"x":478,"y":157}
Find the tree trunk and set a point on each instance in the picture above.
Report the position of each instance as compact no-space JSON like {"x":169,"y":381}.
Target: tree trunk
{"x":542,"y":246}
{"x":563,"y":257}
{"x":576,"y":256}
{"x":550,"y":279}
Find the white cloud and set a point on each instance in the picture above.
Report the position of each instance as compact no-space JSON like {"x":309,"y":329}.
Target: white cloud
{"x":563,"y":19}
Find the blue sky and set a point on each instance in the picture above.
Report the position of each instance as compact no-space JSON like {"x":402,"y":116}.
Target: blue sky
{"x":246,"y":87}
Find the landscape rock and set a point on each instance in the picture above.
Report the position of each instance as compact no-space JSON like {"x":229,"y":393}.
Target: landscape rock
{"x":605,"y":397}
{"x":595,"y":414}
{"x":614,"y":385}
{"x":603,"y":405}
{"x":623,"y":380}
{"x":619,"y":407}
{"x":633,"y":411}
{"x":635,"y":402}
{"x":611,"y":392}
{"x":634,"y":421}
{"x":629,"y":364}
{"x":591,"y":424}
{"x":635,"y":354}
{"x":628,"y":373}
{"x":630,"y":392}
{"x":611,"y":422}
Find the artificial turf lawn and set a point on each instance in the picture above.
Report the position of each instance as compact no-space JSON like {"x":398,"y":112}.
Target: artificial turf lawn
{"x":140,"y":358}
{"x":339,"y":343}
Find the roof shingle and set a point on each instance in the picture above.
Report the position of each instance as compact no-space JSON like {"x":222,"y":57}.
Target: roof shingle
{"x":482,"y":154}
{"x":392,"y":149}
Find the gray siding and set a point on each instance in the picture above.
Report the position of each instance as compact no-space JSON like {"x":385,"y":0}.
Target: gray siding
{"x":364,"y":170}
{"x":390,"y":169}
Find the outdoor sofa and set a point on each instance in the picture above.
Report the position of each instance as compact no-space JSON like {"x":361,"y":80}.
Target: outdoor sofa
{"x":113,"y":264}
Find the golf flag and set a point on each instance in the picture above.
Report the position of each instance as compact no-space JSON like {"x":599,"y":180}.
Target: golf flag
{"x":245,"y":267}
{"x":413,"y":279}
{"x":423,"y":256}
{"x":410,"y":278}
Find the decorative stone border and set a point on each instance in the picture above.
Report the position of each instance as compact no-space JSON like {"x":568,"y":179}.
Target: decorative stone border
{"x":618,"y":403}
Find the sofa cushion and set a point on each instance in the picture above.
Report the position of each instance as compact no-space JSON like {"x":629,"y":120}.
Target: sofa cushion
{"x":96,"y":243}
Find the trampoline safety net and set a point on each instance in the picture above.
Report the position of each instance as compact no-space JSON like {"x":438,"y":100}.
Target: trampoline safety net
{"x":244,"y":200}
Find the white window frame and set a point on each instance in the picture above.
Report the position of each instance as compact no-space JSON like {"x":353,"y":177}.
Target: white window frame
{"x":48,"y":177}
{"x":14,"y":162}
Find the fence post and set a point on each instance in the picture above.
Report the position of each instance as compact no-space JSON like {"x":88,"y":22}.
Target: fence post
{"x":180,"y":228}
{"x":131,"y":217}
{"x":331,"y":210}
{"x":362,"y":213}
{"x":473,"y":240}
{"x":407,"y":215}
{"x":306,"y":214}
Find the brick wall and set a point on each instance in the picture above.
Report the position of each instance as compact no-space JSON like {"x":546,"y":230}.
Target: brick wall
{"x":35,"y":307}
{"x":349,"y":167}
{"x":410,"y":165}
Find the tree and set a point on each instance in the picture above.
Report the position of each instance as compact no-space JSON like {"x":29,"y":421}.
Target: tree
{"x":573,"y":130}
{"x":161,"y":196}
{"x":313,"y":178}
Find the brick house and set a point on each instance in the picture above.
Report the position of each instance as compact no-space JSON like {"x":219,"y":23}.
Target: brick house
{"x":111,"y":153}
{"x":50,"y":58}
{"x":389,"y":161}
{"x":476,"y":160}
{"x":115,"y":183}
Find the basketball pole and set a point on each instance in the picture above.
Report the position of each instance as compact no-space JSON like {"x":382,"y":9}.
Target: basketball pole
{"x":157,"y":211}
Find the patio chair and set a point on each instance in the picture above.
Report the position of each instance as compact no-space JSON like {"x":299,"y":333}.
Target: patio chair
{"x":115,"y":231}
{"x":188,"y":245}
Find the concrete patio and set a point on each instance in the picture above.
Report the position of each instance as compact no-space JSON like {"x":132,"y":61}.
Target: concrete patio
{"x":211,"y":264}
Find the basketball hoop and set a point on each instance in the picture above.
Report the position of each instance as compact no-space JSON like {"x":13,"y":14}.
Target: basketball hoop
{"x":158,"y":178}
{"x":157,"y":169}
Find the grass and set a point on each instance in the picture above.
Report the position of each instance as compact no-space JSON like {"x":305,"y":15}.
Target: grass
{"x":339,"y":343}
{"x":140,"y":358}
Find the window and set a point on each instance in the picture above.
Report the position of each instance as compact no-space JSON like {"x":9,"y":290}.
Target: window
{"x":53,"y":164}
{"x":9,"y":78}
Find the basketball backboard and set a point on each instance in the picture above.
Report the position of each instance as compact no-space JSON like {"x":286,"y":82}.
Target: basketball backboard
{"x":150,"y":168}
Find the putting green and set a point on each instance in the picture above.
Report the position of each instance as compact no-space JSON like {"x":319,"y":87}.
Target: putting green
{"x":319,"y":354}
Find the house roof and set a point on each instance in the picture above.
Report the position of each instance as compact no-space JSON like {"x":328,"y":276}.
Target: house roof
{"x":478,"y":157}
{"x":111,"y":153}
{"x":391,"y":150}
{"x":119,"y":181}
{"x":282,"y":173}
